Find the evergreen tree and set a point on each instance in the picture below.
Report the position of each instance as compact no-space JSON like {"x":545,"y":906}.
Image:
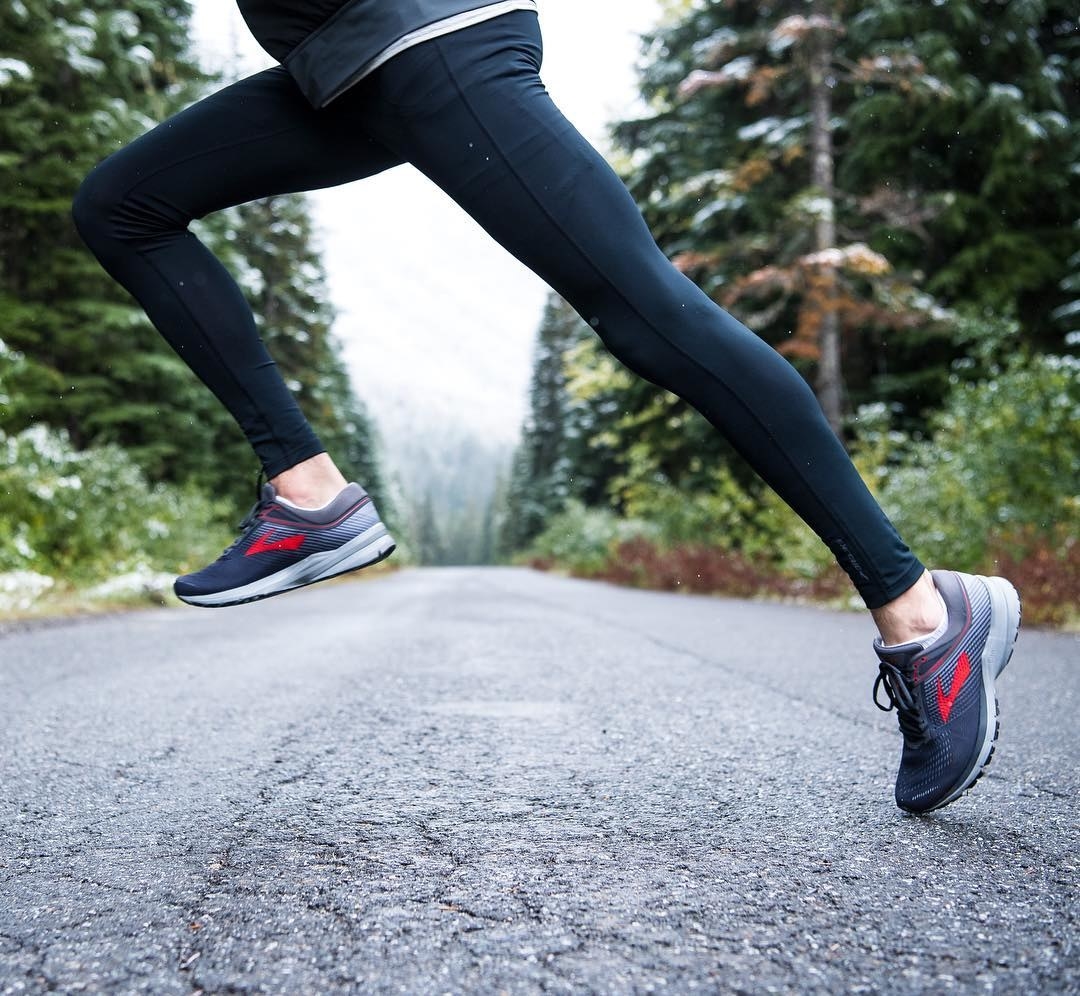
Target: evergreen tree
{"x":540,"y":479}
{"x":494,"y":522}
{"x":762,"y":224}
{"x":928,"y":120}
{"x":77,"y":81}
{"x":972,"y":179}
{"x":429,"y":543}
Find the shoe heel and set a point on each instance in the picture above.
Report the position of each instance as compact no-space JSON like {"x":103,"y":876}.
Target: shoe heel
{"x":375,"y":545}
{"x":1005,"y":625}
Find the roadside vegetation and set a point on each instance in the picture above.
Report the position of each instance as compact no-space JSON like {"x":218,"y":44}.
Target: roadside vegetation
{"x":993,"y":487}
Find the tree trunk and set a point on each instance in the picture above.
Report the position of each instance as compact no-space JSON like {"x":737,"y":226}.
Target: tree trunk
{"x":830,"y":378}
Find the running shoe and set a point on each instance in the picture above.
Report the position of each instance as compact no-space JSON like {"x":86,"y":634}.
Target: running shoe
{"x":282,"y":547}
{"x":944,"y":693}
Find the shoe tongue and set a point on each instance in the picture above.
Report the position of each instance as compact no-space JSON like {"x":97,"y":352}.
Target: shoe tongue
{"x":269,"y":493}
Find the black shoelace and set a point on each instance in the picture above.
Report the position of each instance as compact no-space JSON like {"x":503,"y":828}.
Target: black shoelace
{"x":253,"y":514}
{"x":249,"y":519}
{"x":901,"y":698}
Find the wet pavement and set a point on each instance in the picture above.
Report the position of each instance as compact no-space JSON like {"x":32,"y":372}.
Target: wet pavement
{"x":485,"y":780}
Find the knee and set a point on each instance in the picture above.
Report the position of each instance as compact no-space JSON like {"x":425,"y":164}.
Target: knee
{"x":115,"y":210}
{"x":644,"y":331}
{"x":95,"y":207}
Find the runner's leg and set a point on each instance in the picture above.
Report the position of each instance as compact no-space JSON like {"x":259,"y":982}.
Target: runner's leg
{"x":471,"y":112}
{"x":253,"y":139}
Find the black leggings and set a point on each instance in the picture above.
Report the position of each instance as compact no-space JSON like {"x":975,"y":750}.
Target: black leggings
{"x":468,"y":110}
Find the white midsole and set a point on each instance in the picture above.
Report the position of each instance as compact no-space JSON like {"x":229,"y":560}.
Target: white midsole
{"x":1005,"y":616}
{"x":361,"y":550}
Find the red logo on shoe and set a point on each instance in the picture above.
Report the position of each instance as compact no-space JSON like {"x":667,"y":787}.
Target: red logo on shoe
{"x":264,"y":544}
{"x":946,"y":700}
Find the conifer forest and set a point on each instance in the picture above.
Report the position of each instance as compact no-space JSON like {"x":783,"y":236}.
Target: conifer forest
{"x":887,"y":192}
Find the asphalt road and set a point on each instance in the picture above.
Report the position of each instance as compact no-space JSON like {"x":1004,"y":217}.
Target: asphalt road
{"x":495,"y":780}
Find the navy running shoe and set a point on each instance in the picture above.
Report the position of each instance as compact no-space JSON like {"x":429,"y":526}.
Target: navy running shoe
{"x":944,"y":694}
{"x":282,"y":547}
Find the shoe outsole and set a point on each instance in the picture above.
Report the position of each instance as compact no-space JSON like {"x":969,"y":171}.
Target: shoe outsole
{"x":1013,"y":607}
{"x":369,"y":550}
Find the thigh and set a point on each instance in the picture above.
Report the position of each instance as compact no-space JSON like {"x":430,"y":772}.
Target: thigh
{"x":473,"y":114}
{"x":255,"y":138}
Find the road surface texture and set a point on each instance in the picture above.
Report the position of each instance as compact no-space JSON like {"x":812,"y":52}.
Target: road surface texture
{"x":485,"y":780}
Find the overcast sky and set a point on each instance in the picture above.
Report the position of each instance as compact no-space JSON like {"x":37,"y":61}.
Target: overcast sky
{"x":432,"y":313}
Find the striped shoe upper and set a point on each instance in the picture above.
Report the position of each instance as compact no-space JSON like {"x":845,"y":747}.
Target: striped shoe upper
{"x":938,"y":692}
{"x":274,"y":536}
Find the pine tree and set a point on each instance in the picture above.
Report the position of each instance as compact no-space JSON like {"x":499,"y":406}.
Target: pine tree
{"x":429,"y":543}
{"x":972,"y":179}
{"x":778,"y":242}
{"x":77,"y":81}
{"x":540,"y":481}
{"x":939,"y":137}
{"x":76,"y":351}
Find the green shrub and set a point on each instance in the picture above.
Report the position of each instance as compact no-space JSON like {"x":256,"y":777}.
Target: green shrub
{"x":756,"y":524}
{"x":581,"y":540}
{"x":994,"y":487}
{"x":85,"y":515}
{"x":1001,"y":467}
{"x":721,"y":516}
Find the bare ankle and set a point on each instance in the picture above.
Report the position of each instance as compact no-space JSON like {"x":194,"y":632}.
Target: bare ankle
{"x":312,"y":483}
{"x":917,"y":612}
